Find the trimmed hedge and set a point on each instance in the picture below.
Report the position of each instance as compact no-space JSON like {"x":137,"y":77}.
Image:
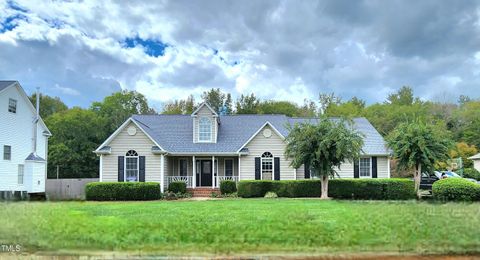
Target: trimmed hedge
{"x":177,"y":187}
{"x":228,"y":187}
{"x":471,"y":173}
{"x":374,"y":189}
{"x":108,"y":191}
{"x":455,"y":189}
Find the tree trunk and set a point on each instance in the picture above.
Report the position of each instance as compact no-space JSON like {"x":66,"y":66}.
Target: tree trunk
{"x":417,"y":178}
{"x":324,"y":182}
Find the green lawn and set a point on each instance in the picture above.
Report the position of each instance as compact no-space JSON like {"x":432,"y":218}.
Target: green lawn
{"x":243,"y":226}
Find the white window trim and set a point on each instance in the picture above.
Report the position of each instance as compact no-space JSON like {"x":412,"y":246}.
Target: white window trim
{"x":23,"y":174}
{"x":225,"y":166}
{"x":211,"y":130}
{"x":125,"y":168}
{"x":261,"y":165}
{"x":370,"y":172}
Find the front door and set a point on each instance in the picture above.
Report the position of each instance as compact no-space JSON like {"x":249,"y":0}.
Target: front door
{"x":206,"y":172}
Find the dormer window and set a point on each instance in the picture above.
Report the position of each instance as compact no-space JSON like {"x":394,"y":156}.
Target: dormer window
{"x":205,"y":130}
{"x":12,"y":106}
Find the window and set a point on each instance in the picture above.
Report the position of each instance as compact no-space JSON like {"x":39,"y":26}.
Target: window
{"x":182,"y":167}
{"x":365,"y":167}
{"x":228,"y":167}
{"x":267,"y":166}
{"x":131,"y":166}
{"x":21,"y":170}
{"x":7,"y":152}
{"x":204,"y":130}
{"x":12,"y":106}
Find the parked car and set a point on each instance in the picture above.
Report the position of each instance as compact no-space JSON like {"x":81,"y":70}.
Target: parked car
{"x":428,"y":179}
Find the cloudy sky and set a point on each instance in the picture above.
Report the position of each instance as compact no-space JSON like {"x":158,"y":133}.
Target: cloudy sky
{"x":283,"y":50}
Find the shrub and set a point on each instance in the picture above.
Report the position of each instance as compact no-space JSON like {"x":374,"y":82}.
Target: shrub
{"x":105,"y":191}
{"x":375,"y":189}
{"x":177,"y":187}
{"x":372,"y":189}
{"x":271,"y":194}
{"x":252,"y":189}
{"x":228,"y":187}
{"x":455,"y":189}
{"x":471,"y":173}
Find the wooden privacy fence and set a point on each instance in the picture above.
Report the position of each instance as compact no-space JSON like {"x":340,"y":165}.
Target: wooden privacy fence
{"x":67,"y":189}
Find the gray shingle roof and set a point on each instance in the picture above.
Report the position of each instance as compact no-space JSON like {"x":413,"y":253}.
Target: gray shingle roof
{"x":5,"y":83}
{"x":174,"y":133}
{"x":34,"y":157}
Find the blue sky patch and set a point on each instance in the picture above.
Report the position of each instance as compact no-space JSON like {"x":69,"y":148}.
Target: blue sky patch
{"x":152,"y":47}
{"x":11,"y":22}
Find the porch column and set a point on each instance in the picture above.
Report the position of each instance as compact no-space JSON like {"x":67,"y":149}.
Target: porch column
{"x":213,"y":172}
{"x":239,"y":167}
{"x":100,"y":174}
{"x":295,"y":173}
{"x":162,"y":172}
{"x":194,"y":178}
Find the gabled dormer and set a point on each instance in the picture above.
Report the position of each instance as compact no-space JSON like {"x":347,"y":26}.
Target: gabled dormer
{"x":205,"y":124}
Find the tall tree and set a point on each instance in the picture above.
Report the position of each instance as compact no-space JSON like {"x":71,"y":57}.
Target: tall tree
{"x":119,"y":106}
{"x":323,"y":146}
{"x":352,"y":108}
{"x":48,"y":105}
{"x":404,"y":96}
{"x":177,"y":107}
{"x":418,"y":146}
{"x":76,"y":133}
{"x":279,"y":107}
{"x":215,"y":98}
{"x":229,"y":104}
{"x":247,"y":104}
{"x":326,"y":100}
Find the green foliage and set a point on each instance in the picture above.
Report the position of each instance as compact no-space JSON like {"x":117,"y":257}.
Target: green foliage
{"x":455,"y":189}
{"x":471,"y":173}
{"x":121,"y":191}
{"x":404,"y":97}
{"x":177,"y":187}
{"x":48,"y":105}
{"x":217,"y":99}
{"x":271,"y":195}
{"x":247,"y":104}
{"x":75,"y":134}
{"x":119,"y":106}
{"x":372,"y":189}
{"x":228,"y":187}
{"x":180,"y":107}
{"x":324,"y":146}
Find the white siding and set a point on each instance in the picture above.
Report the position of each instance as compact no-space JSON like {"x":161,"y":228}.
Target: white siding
{"x":260,"y":144}
{"x":476,"y":164}
{"x":346,"y":170}
{"x":16,"y":131}
{"x":121,"y":144}
{"x":205,"y":112}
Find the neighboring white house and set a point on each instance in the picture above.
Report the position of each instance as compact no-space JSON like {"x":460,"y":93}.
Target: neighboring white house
{"x":476,"y":161}
{"x":23,"y":143}
{"x":205,"y":148}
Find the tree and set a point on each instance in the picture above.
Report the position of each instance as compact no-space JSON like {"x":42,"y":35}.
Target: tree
{"x":76,"y":134}
{"x":278,"y":107}
{"x":324,"y":146}
{"x":48,"y":105}
{"x":247,"y":104}
{"x":180,"y":107}
{"x":418,"y":145}
{"x":215,"y":98}
{"x":352,"y":108}
{"x":229,"y":104}
{"x":119,"y":106}
{"x":404,"y":97}
{"x":327,"y":100}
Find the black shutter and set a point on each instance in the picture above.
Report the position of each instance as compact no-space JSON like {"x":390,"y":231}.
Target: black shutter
{"x":120,"y":168}
{"x":356,"y":169}
{"x":141,"y":173}
{"x":374,"y":167}
{"x":307,"y":170}
{"x":276,"y":166}
{"x":257,"y":168}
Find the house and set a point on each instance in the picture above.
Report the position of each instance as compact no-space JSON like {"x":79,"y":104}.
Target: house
{"x":23,"y":143}
{"x":476,"y":161}
{"x":205,"y":148}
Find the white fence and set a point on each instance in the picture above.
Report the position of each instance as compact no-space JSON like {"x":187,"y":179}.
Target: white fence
{"x":67,"y":189}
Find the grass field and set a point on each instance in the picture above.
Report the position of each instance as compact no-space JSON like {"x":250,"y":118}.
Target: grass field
{"x":243,"y":226}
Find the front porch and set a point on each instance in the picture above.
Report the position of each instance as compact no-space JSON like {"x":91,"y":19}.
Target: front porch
{"x":201,"y":171}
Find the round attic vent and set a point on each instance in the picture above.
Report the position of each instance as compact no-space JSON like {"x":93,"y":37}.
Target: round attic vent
{"x":267,"y":133}
{"x":131,"y":130}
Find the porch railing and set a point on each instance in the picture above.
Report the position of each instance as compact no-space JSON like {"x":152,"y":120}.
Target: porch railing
{"x":187,"y":179}
{"x":227,"y":178}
